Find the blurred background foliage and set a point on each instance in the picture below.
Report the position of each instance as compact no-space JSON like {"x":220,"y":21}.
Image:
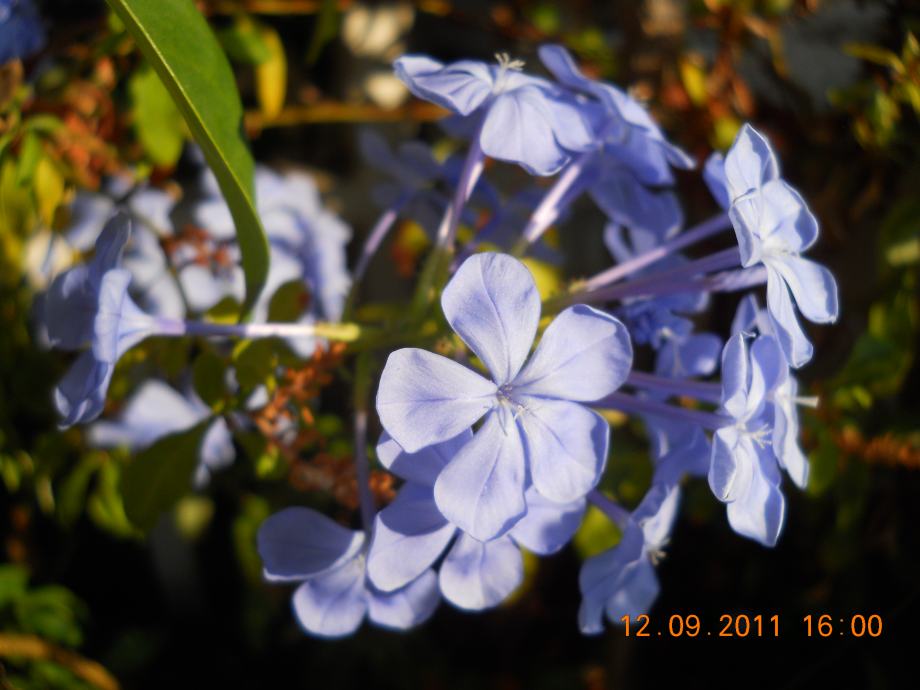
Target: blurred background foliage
{"x":97,"y":587}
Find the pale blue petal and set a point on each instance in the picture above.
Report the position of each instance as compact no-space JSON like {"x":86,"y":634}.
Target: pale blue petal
{"x":334,"y":603}
{"x":749,"y":163}
{"x":405,"y":608}
{"x":297,"y":543}
{"x":425,"y":399}
{"x":760,"y":511}
{"x":566,"y":446}
{"x":493,"y":304}
{"x":154,"y":411}
{"x":714,"y":176}
{"x":733,"y":463}
{"x":69,"y":307}
{"x":481,"y":491}
{"x":656,"y":514}
{"x":786,"y":224}
{"x":584,"y":354}
{"x":547,"y":526}
{"x":784,"y":323}
{"x":637,"y":592}
{"x":518,"y":128}
{"x":460,"y":86}
{"x":601,"y":576}
{"x":694,"y":355}
{"x":626,"y":201}
{"x":736,"y":376}
{"x":80,"y":395}
{"x":812,"y":286}
{"x":409,"y":535}
{"x":424,"y":466}
{"x":479,"y":575}
{"x":786,"y":433}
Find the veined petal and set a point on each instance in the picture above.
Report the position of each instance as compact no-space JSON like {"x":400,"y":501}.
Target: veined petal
{"x":795,"y":344}
{"x":657,"y":512}
{"x":759,"y":512}
{"x":479,"y":575}
{"x":812,"y":286}
{"x":547,"y":526}
{"x":460,"y":86}
{"x":481,"y":491}
{"x":70,"y":306}
{"x":518,"y":128}
{"x":733,"y":463}
{"x":297,"y":543}
{"x":736,"y":376}
{"x":786,"y":433}
{"x":80,"y":396}
{"x":584,"y":354}
{"x":424,"y":399}
{"x":409,"y":535}
{"x":787,"y":224}
{"x":493,"y":304}
{"x":749,"y":163}
{"x":424,"y":466}
{"x":746,"y":215}
{"x":566,"y":446}
{"x":626,"y":201}
{"x":334,"y":603}
{"x":637,"y":591}
{"x":602,"y":575}
{"x":407,"y":607}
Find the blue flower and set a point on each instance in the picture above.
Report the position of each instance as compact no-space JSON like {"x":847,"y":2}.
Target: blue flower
{"x":784,"y":398}
{"x":525,"y":120}
{"x":21,"y":30}
{"x":533,"y":425}
{"x":156,"y":410}
{"x":658,"y":321}
{"x":307,"y":244}
{"x":627,"y":131}
{"x":622,"y":581}
{"x":89,"y":306}
{"x":335,"y":595}
{"x":774,"y":226}
{"x":743,"y":472}
{"x":627,"y":201}
{"x":410,"y":534}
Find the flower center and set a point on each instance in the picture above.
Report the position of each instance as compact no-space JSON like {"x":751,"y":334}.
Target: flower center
{"x":505,"y":64}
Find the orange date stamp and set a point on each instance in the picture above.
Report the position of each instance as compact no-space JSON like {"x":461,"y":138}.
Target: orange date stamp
{"x":745,"y":625}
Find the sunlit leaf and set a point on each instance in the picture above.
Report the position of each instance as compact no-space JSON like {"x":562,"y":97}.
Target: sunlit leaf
{"x":180,"y":46}
{"x":271,"y":74}
{"x":157,"y":121}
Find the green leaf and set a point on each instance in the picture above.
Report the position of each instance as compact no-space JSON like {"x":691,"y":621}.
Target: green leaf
{"x":160,"y":475}
{"x":13,"y":581}
{"x":243,"y":41}
{"x":208,"y":375}
{"x":327,"y":26}
{"x":178,"y":43}
{"x":156,"y":118}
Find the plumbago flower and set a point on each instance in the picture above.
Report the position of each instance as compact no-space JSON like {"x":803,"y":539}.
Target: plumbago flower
{"x":534,"y":427}
{"x":774,"y":226}
{"x":335,"y":595}
{"x":525,"y":119}
{"x":89,"y":307}
{"x":410,"y":534}
{"x":622,"y":581}
{"x":156,"y":410}
{"x":743,"y":472}
{"x":624,"y":128}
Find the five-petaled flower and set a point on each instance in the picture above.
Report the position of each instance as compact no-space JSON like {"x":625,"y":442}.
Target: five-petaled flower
{"x":535,"y":428}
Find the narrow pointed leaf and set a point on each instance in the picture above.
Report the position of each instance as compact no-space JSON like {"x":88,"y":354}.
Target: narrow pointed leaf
{"x":178,"y":43}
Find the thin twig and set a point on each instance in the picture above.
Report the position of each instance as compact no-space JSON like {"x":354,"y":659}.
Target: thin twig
{"x":330,"y":111}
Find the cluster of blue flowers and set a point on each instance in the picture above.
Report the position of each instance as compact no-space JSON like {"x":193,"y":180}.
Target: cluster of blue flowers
{"x":21,"y":31}
{"x":503,"y":446}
